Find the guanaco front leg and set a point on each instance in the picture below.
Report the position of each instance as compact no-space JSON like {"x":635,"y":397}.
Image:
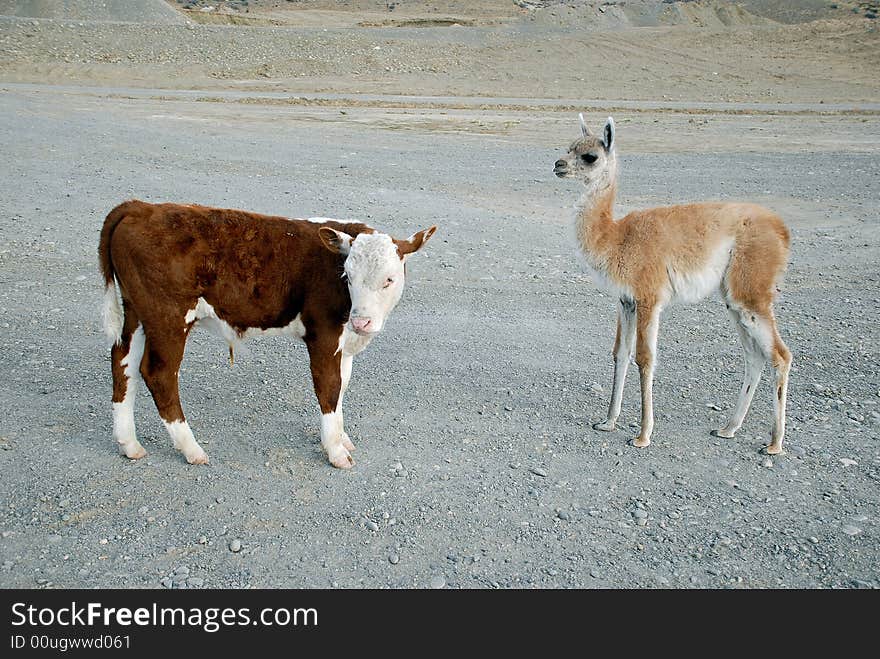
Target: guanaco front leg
{"x":622,"y":354}
{"x":647,"y":323}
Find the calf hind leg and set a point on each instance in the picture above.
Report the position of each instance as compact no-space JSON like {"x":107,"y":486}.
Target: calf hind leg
{"x":159,"y":368}
{"x":125,"y":357}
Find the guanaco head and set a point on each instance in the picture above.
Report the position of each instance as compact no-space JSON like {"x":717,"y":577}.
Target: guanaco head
{"x":590,"y":158}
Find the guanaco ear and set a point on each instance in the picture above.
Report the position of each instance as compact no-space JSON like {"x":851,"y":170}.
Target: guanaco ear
{"x":414,"y":243}
{"x":584,"y":129}
{"x":336,"y":241}
{"x":608,"y":134}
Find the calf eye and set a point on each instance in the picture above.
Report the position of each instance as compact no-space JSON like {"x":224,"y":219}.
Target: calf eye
{"x":589,"y":158}
{"x":388,"y":282}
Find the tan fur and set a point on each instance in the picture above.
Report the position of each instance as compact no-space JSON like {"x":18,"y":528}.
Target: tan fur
{"x":651,"y":257}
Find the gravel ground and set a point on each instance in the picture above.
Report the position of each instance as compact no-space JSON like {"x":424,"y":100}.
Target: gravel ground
{"x":477,"y":466}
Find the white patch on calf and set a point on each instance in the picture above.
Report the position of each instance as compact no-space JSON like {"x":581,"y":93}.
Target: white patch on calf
{"x":111,"y":315}
{"x":184,"y":441}
{"x":351,"y":343}
{"x":204,"y":315}
{"x":372,"y":260}
{"x":332,"y":440}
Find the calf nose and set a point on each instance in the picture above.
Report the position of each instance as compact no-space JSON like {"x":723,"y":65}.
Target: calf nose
{"x":560,"y":163}
{"x":361,"y":324}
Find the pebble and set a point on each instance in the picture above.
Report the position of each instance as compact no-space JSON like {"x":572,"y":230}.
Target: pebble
{"x":235,"y":546}
{"x":394,"y":559}
{"x":537,"y":471}
{"x":848,"y":462}
{"x":564,"y":516}
{"x":196,"y":582}
{"x":166,"y":582}
{"x":851,"y":530}
{"x":438,"y":582}
{"x":640,"y":513}
{"x":371,"y":525}
{"x":768,"y":463}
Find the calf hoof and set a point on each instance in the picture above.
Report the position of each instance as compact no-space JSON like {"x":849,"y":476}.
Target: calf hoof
{"x":134,"y":452}
{"x":341,"y":458}
{"x":604,"y":426}
{"x":723,"y":432}
{"x":641,"y":442}
{"x":774,"y":449}
{"x":346,"y":442}
{"x":197,"y":458}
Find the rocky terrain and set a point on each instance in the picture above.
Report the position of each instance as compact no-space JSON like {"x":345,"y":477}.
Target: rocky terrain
{"x":476,"y":465}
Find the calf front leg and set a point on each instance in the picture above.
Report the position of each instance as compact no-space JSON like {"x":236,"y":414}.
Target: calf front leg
{"x":327,"y":363}
{"x":345,"y":369}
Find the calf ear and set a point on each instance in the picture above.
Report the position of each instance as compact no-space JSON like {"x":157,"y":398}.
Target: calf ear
{"x":414,"y":243}
{"x":335,"y":241}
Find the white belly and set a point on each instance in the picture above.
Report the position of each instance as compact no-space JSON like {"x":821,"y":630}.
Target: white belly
{"x":203,"y":315}
{"x":694,"y":285}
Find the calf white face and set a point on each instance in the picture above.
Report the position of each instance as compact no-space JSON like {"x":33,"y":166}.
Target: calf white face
{"x":374,"y":271}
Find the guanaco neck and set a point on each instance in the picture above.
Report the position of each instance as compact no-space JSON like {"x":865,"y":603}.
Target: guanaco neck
{"x":595,"y":218}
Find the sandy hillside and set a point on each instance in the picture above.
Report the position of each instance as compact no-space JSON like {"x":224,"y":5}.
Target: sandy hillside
{"x":140,"y":11}
{"x":680,"y":51}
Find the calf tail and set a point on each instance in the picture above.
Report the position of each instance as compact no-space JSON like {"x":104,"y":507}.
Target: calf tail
{"x":111,"y":313}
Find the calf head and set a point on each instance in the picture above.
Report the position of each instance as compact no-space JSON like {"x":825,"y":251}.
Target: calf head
{"x":374,"y":270}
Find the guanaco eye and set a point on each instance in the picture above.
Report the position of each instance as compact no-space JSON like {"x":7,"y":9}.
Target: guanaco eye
{"x":589,"y":158}
{"x":388,"y":282}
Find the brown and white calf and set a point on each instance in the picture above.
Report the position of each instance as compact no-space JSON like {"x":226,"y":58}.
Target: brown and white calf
{"x":330,"y":283}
